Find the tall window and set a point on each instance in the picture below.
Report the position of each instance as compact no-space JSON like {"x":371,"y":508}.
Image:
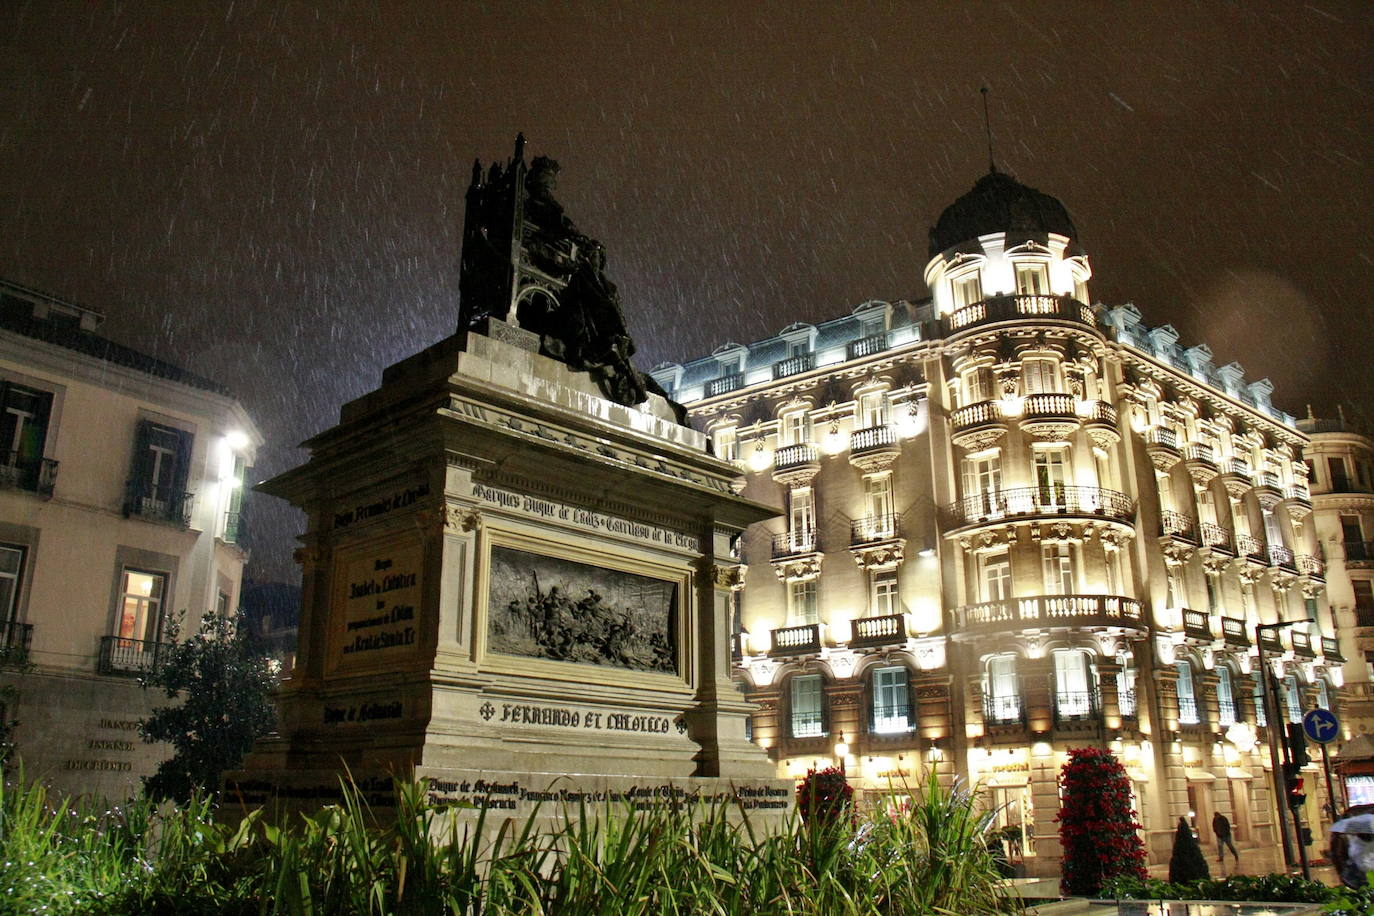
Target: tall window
{"x":140,"y":614}
{"x":162,"y":459}
{"x":1206,"y":509}
{"x":11,"y":573}
{"x":802,"y":597}
{"x":796,"y":427}
{"x":1227,"y":712}
{"x":1340,"y":478}
{"x":872,"y":409}
{"x":1292,"y":698}
{"x":726,"y":442}
{"x":1213,"y":601}
{"x":1039,"y":375}
{"x":884,"y":600}
{"x":1057,"y":562}
{"x":994,"y":572}
{"x":1002,"y":690}
{"x":1125,"y":686}
{"x":891,"y":708}
{"x":878,"y":500}
{"x":24,"y":414}
{"x":801,"y":517}
{"x":1073,"y":687}
{"x":1174,"y":593}
{"x":1051,"y":474}
{"x":1323,"y":694}
{"x":1032,"y":279}
{"x":1257,"y":692}
{"x":1352,"y":533}
{"x":1187,"y":698}
{"x":978,"y":385}
{"x":983,"y":484}
{"x":968,"y":289}
{"x":1364,"y":602}
{"x":808,"y":720}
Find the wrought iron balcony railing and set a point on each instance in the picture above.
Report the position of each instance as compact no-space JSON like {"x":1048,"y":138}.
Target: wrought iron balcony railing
{"x":797,"y":541}
{"x":1309,"y":565}
{"x":1217,"y":537}
{"x":1238,"y":466}
{"x":1004,"y":709}
{"x":809,"y":724}
{"x":1126,"y":704}
{"x":1331,"y":649}
{"x":794,"y":365}
{"x":1188,"y":711}
{"x":1046,"y":500}
{"x":1281,"y":556}
{"x":891,"y":720}
{"x":1075,"y":706}
{"x":21,"y":472}
{"x":724,"y":384}
{"x":799,"y":640}
{"x":1252,"y":547}
{"x":15,"y":638}
{"x":867,"y":346}
{"x":1196,"y":624}
{"x":1071,"y":610}
{"x":160,"y":504}
{"x":1200,"y":451}
{"x":1011,"y":308}
{"x":1176,"y":524}
{"x":1228,"y":711}
{"x":868,"y":632}
{"x":873,"y":528}
{"x":1234,"y":632}
{"x":129,"y":657}
{"x":1161,"y":435}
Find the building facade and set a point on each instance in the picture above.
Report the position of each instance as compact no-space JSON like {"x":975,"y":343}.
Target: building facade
{"x":120,"y":491}
{"x":1016,"y":523}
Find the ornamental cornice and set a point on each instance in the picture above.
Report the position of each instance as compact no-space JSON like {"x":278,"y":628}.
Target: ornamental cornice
{"x":798,"y":569}
{"x":883,"y":555}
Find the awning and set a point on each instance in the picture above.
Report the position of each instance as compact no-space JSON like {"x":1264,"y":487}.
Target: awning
{"x":1197,"y":775}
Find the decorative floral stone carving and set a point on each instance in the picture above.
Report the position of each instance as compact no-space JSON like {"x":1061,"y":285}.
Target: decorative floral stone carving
{"x":798,"y":569}
{"x":879,"y":556}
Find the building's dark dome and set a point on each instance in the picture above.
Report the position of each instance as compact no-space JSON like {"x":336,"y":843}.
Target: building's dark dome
{"x":998,"y":203}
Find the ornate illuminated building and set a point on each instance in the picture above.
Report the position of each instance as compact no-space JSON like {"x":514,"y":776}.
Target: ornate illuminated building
{"x":1014,"y":523}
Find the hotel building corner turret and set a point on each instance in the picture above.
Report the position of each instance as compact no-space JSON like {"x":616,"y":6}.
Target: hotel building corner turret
{"x":1015,"y":523}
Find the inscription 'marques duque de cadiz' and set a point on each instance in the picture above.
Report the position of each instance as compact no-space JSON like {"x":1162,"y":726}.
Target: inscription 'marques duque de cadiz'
{"x":584,"y":518}
{"x":548,"y":607}
{"x":381,"y":590}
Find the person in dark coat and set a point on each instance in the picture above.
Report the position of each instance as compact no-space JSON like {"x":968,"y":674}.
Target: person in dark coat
{"x":1221,"y":828}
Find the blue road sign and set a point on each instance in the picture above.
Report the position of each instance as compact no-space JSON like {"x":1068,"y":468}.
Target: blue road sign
{"x":1321,"y":725}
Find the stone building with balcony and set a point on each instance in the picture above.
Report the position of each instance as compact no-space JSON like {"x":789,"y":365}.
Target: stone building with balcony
{"x":120,"y":490}
{"x":1015,"y":523}
{"x":1340,"y":460}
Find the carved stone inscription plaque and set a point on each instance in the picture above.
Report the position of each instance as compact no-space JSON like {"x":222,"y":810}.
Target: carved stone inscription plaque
{"x":377,"y":596}
{"x":549,"y":607}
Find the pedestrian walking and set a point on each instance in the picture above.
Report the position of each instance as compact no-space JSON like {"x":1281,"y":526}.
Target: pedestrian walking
{"x":1221,"y":827}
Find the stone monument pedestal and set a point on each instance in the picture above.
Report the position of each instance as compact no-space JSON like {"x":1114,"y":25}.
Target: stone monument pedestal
{"x":515,"y":587}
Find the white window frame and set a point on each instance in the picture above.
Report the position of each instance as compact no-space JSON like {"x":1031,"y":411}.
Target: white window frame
{"x":1035,"y":271}
{"x":1002,"y":688}
{"x":994,"y":575}
{"x":807,"y":706}
{"x":884,"y":598}
{"x":11,"y":581}
{"x":140,"y":614}
{"x":1057,"y":565}
{"x":803,"y":602}
{"x":1073,"y":682}
{"x":794,"y":426}
{"x":891,"y":700}
{"x":872,"y":409}
{"x":1228,"y":710}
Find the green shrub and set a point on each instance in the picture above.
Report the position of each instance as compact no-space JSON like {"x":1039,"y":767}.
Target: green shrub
{"x":1273,"y":888}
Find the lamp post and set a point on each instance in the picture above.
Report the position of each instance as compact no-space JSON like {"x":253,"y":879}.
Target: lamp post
{"x":1272,"y":716}
{"x":842,"y":752}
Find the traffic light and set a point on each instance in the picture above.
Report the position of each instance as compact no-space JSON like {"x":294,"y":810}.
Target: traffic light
{"x":1293,"y":785}
{"x":1297,"y":744}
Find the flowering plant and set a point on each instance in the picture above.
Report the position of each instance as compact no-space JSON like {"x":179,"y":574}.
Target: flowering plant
{"x":1097,"y":827}
{"x":824,"y":795}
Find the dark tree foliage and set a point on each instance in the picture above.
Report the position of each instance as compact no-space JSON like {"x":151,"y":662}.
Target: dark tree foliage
{"x":1187,"y":864}
{"x":220,"y":691}
{"x":1097,"y":828}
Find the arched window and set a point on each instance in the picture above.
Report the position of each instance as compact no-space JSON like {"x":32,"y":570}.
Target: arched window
{"x":891,"y":710}
{"x":1292,"y":696}
{"x":808,"y":706}
{"x":1187,"y":698}
{"x":1075,"y":696}
{"x":1261,"y":714}
{"x":1228,"y":711}
{"x":1001,"y":691}
{"x":1125,"y":686}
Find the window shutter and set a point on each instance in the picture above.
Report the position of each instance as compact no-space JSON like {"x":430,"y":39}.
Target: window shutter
{"x":181,"y":472}
{"x":141,"y":467}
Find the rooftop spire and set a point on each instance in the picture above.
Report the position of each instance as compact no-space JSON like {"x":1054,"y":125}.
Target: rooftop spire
{"x":987,"y":126}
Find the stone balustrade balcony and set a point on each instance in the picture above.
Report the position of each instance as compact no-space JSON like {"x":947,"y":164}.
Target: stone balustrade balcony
{"x":799,"y":640}
{"x":1049,"y":415}
{"x":1196,"y":625}
{"x":1045,"y":611}
{"x":1234,"y":632}
{"x":872,"y":632}
{"x":796,"y":464}
{"x":873,"y":448}
{"x":1051,"y":500}
{"x":867,"y":346}
{"x":724,"y":384}
{"x":1161,"y":445}
{"x":977,"y":425}
{"x":1018,"y":308}
{"x":794,"y":365}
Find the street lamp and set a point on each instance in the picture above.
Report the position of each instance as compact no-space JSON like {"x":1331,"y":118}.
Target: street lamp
{"x":1272,"y":716}
{"x":842,"y":752}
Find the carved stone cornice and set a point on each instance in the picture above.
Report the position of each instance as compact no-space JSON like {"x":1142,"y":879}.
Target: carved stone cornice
{"x":799,"y":568}
{"x":729,"y":577}
{"x":880,"y":555}
{"x":988,"y":538}
{"x":1175,"y":552}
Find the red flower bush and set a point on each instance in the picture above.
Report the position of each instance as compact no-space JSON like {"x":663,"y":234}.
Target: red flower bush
{"x":824,"y":796}
{"x":1097,"y":827}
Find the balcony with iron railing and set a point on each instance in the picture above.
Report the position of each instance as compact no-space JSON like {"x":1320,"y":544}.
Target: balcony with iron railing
{"x":867,"y":346}
{"x":1177,"y":525}
{"x":1188,"y":711}
{"x":1004,"y":709}
{"x":158,"y":504}
{"x":1201,"y":461}
{"x":15,"y":639}
{"x":795,"y":542}
{"x":1302,"y":643}
{"x":1067,"y":611}
{"x":1281,"y":556}
{"x":1051,"y":500}
{"x":794,"y":365}
{"x":808,"y":724}
{"x":1299,"y":492}
{"x":129,"y":657}
{"x":724,"y":384}
{"x":871,"y":632}
{"x":1331,"y":650}
{"x":891,"y":720}
{"x":1252,"y":548}
{"x":1234,"y":632}
{"x":1126,"y":704}
{"x":1359,"y":554}
{"x":1216,"y":537}
{"x":799,"y":640}
{"x":1196,"y":625}
{"x":1018,"y":308}
{"x":24,"y":472}
{"x":1161,"y":444}
{"x":1310,"y":566}
{"x":1074,"y":707}
{"x":873,"y":528}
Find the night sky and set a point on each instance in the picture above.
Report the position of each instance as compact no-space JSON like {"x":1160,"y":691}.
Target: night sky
{"x":271,"y":193}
